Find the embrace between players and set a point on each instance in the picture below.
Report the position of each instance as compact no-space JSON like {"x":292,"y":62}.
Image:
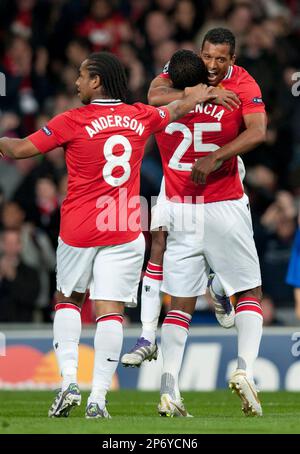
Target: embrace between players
{"x":200,"y":131}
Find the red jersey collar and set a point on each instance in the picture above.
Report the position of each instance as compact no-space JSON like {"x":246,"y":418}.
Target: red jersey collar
{"x":229,"y":73}
{"x":107,"y":102}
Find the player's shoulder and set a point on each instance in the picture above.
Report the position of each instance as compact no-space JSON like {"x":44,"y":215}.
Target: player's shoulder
{"x":64,"y":119}
{"x":240,"y":74}
{"x":147,"y":113}
{"x":140,"y":105}
{"x":72,"y":114}
{"x":81,"y":110}
{"x":79,"y":114}
{"x":145,"y":110}
{"x":141,"y":109}
{"x":247,"y":88}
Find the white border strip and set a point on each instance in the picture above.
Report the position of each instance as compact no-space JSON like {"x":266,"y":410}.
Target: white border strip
{"x":135,"y":332}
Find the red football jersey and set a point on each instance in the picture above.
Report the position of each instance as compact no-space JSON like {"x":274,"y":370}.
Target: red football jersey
{"x":202,"y":131}
{"x":104,"y":145}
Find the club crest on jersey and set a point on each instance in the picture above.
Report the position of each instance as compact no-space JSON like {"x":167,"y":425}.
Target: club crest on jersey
{"x":257,"y":100}
{"x":47,"y":131}
{"x":162,"y":113}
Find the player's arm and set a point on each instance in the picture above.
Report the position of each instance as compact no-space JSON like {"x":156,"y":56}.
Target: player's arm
{"x":17,"y":148}
{"x":58,"y":132}
{"x":191,"y":97}
{"x":161,"y":92}
{"x":254,"y":135}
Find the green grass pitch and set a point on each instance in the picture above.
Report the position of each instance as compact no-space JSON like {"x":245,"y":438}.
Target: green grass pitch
{"x":134,"y":412}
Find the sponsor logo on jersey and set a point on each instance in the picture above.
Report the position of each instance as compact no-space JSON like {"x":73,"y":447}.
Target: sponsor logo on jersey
{"x":47,"y":131}
{"x":162,"y":113}
{"x":257,"y":100}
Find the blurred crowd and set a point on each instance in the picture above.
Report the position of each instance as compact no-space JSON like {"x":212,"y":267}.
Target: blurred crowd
{"x":43,"y":42}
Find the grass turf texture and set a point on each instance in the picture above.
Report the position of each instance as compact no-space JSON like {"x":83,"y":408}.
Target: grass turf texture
{"x":134,"y":412}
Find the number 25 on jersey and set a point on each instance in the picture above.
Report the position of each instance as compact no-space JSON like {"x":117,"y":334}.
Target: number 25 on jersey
{"x":188,"y":139}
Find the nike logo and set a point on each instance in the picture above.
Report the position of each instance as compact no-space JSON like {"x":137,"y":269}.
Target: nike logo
{"x":181,"y":411}
{"x":112,"y":360}
{"x":254,"y":395}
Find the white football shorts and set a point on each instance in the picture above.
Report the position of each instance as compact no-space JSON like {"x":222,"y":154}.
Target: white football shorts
{"x":221,"y":240}
{"x":160,"y":216}
{"x":109,"y":272}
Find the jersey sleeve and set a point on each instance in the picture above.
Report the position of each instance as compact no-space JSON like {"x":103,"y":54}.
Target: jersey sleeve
{"x":158,"y":117}
{"x":165,"y":72}
{"x":250,"y":95}
{"x":58,"y":132}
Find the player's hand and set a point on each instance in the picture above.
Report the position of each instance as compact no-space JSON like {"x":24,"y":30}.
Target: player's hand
{"x":202,"y":92}
{"x":226,"y":98}
{"x":203,"y":167}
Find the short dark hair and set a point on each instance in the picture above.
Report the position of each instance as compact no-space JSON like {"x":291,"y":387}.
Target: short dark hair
{"x":111,"y":72}
{"x":221,"y":36}
{"x":186,"y":69}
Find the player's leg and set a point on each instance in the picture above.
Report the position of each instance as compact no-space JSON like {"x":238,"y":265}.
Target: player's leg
{"x":66,"y":336}
{"x":145,"y":347}
{"x":234,"y":258}
{"x":249,"y":319}
{"x":223,"y":304}
{"x":150,"y":298}
{"x":116,"y":276}
{"x":174,"y":334}
{"x":185,"y":278}
{"x":249,"y":325}
{"x":151,"y":301}
{"x":108,"y":344}
{"x":74,"y":266}
{"x":224,"y":308}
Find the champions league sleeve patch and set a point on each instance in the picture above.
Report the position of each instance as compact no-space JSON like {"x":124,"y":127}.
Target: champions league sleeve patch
{"x":257,"y":100}
{"x":162,"y":113}
{"x":47,"y":131}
